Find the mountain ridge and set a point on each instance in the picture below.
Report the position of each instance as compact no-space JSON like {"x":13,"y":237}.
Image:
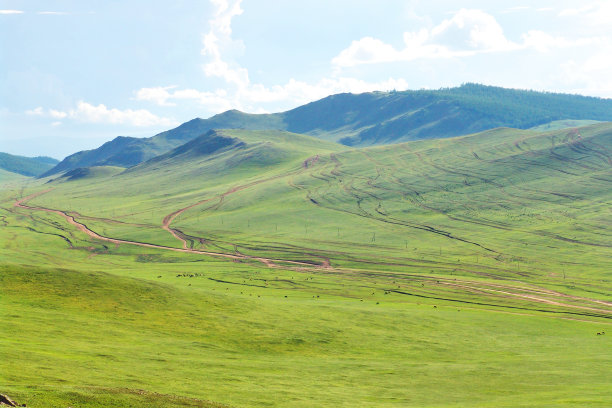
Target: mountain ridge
{"x":369,"y":119}
{"x":26,"y":166}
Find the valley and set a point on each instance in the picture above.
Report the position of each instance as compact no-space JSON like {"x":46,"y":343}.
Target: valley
{"x":268,"y":268}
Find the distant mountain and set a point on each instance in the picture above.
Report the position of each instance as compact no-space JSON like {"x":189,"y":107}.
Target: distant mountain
{"x":229,"y":150}
{"x":129,"y":151}
{"x":27,"y":166}
{"x":392,"y":117}
{"x":370,"y":119}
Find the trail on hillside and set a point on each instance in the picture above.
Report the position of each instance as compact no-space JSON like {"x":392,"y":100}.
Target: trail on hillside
{"x":221,"y":197}
{"x":83,"y":228}
{"x":179,"y":235}
{"x":498,"y":293}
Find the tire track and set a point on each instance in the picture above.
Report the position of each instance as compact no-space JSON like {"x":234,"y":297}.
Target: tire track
{"x":272,"y":263}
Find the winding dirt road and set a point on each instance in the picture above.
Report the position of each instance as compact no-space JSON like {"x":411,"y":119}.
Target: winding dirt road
{"x":536,"y":294}
{"x":273,"y":263}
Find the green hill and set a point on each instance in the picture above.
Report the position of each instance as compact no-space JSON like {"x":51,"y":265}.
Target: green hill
{"x":266,"y":268}
{"x":472,"y":195}
{"x":370,"y":119}
{"x":27,"y":166}
{"x":91,"y":173}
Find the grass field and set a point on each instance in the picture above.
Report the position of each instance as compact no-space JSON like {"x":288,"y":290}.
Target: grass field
{"x":280,"y":270}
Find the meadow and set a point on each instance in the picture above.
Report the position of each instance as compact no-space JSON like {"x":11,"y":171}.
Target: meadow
{"x":278,"y":270}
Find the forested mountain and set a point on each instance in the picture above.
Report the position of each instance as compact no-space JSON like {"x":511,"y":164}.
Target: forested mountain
{"x":370,"y":119}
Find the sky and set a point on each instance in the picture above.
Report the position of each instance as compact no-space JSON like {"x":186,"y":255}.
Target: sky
{"x":77,"y":73}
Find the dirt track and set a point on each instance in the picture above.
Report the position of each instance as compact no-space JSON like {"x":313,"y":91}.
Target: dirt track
{"x":83,"y":228}
{"x":535,"y":294}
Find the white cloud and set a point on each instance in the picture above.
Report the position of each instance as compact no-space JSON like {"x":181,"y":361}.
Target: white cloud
{"x":53,"y":13}
{"x":56,"y":123}
{"x":57,"y":114}
{"x":159,"y":95}
{"x":471,"y":30}
{"x":467,"y":32}
{"x":368,"y":50}
{"x":11,"y":12}
{"x":253,"y":97}
{"x":219,"y":39}
{"x":219,"y":45}
{"x":162,"y":95}
{"x":233,"y":75}
{"x":299,"y":92}
{"x":88,"y":113}
{"x":589,"y":74}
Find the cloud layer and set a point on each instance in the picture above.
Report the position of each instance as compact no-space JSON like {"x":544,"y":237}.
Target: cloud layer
{"x":239,"y":92}
{"x":466,"y":33}
{"x":100,"y":114}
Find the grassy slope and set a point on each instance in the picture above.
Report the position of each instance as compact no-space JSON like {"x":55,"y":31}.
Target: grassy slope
{"x":27,"y":166}
{"x":98,"y":322}
{"x":9,"y":176}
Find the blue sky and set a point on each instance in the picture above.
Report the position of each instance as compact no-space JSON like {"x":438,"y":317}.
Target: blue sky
{"x":75,"y":74}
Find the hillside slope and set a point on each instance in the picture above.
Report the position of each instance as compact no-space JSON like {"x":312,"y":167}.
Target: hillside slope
{"x":26,"y":166}
{"x":484,"y":196}
{"x":284,"y":269}
{"x":370,"y":119}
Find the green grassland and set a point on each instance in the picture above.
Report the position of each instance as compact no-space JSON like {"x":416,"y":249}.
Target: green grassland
{"x":472,"y":271}
{"x":10,"y":177}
